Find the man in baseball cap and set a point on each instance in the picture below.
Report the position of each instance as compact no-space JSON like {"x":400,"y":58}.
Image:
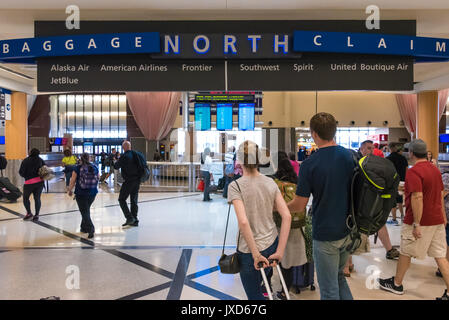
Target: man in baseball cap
{"x":423,"y":231}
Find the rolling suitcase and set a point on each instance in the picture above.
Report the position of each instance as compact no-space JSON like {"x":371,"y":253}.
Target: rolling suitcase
{"x":8,"y":190}
{"x":304,"y":276}
{"x":267,"y":285}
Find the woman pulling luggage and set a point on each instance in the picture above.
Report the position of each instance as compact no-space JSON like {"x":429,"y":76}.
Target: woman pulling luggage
{"x":254,"y":196}
{"x":85,"y":180}
{"x":29,"y":170}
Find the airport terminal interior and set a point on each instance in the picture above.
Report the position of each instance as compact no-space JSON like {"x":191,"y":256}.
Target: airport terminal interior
{"x":184,"y":80}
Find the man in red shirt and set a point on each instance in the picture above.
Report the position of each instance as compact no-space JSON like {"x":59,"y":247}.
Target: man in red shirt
{"x":377,"y":151}
{"x":423,"y":232}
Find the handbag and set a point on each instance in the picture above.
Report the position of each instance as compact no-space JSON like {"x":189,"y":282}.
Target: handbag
{"x":46,"y":173}
{"x":200,"y":186}
{"x":229,"y":264}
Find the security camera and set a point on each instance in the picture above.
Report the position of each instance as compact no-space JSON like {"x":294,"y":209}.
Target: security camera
{"x":303,"y":122}
{"x":369,"y":123}
{"x":385,"y":122}
{"x":270,"y":123}
{"x":352,"y":122}
{"x":336,"y":122}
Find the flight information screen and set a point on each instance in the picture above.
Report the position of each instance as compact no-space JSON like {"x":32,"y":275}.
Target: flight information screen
{"x":202,"y":116}
{"x":246,"y":116}
{"x":224,"y":116}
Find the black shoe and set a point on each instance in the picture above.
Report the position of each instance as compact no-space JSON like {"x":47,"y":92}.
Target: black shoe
{"x":135,"y":223}
{"x":36,"y":217}
{"x":439,"y":274}
{"x":392,"y":254}
{"x":91,"y":235}
{"x":281,"y":295}
{"x":28,"y":217}
{"x":445,"y":297}
{"x":128,"y":223}
{"x":388,"y":285}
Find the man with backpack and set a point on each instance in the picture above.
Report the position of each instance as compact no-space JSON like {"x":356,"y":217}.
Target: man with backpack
{"x":423,"y":231}
{"x":367,"y":148}
{"x":132,"y":168}
{"x":327,"y":175}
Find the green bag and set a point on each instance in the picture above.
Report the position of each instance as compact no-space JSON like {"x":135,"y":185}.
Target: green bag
{"x":288,"y":191}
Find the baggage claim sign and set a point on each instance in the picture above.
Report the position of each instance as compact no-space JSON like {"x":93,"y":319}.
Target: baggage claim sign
{"x":217,"y":55}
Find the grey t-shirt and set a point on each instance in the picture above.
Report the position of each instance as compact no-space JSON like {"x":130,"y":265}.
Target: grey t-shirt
{"x":258,"y":195}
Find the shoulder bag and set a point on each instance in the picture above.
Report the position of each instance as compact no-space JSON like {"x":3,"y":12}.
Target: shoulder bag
{"x":229,"y":264}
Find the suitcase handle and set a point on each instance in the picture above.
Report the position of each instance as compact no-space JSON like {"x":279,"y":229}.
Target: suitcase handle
{"x":281,"y":277}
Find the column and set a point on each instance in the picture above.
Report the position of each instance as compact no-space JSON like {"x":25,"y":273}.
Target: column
{"x":427,"y":120}
{"x":17,"y":128}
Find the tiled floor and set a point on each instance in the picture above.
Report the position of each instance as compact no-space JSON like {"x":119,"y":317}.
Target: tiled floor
{"x":173,"y":253}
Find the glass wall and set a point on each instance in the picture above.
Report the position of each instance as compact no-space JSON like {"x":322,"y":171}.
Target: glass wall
{"x":88,"y":116}
{"x":351,"y":138}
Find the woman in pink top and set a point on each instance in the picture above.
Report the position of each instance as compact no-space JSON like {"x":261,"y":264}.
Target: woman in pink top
{"x":294,"y":163}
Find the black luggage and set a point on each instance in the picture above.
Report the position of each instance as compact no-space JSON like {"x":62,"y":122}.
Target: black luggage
{"x":8,"y":190}
{"x":304,"y":276}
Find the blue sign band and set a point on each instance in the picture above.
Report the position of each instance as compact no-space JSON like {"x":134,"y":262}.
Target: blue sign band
{"x":93,"y":44}
{"x":432,"y":49}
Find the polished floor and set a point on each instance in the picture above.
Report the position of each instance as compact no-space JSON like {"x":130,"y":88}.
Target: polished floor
{"x":173,"y":254}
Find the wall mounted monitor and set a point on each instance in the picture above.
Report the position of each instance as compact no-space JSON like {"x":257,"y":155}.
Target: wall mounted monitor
{"x":202,"y":116}
{"x":2,"y":140}
{"x":58,"y":141}
{"x":246,"y":116}
{"x":224,"y":116}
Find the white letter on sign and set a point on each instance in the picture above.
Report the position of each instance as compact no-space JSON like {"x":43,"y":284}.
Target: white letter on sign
{"x":254,"y":38}
{"x":229,"y":41}
{"x":115,"y":43}
{"x":206,"y":44}
{"x":315,"y":40}
{"x":69,"y":44}
{"x":47,"y":45}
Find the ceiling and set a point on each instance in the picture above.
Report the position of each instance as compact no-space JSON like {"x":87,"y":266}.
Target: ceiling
{"x":17,"y":21}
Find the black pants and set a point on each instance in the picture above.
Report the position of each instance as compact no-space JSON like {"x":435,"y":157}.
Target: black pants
{"x":206,"y":177}
{"x":130,"y":188}
{"x":36,"y":190}
{"x":84,"y":204}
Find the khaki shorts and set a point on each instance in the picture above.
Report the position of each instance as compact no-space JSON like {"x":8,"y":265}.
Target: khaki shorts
{"x":432,"y":242}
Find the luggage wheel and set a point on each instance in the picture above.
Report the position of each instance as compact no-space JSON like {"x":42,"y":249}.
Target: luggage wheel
{"x":312,"y":287}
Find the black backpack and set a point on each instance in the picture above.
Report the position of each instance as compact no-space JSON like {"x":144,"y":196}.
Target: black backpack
{"x":144,"y":171}
{"x":373,"y":194}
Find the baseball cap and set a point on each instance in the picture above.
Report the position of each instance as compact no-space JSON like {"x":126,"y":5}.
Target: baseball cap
{"x":416,"y":146}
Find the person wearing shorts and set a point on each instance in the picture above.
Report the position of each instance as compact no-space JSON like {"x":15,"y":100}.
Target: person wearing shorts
{"x":424,"y":228}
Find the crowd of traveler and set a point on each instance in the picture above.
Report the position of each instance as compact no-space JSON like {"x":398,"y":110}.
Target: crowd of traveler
{"x":326,"y":177}
{"x":82,"y":179}
{"x":323,"y":176}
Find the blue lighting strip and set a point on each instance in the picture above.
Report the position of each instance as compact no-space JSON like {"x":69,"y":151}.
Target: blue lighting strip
{"x":91,"y":44}
{"x":424,"y":49}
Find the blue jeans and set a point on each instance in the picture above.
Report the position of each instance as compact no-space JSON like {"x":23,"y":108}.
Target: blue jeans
{"x":250,"y":277}
{"x":330,"y":258}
